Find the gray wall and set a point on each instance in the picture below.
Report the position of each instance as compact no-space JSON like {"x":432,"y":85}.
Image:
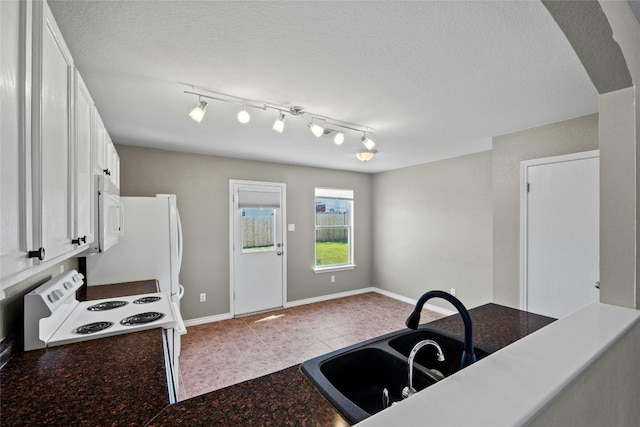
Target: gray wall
{"x":620,"y":140}
{"x":606,"y":394}
{"x":618,"y":198}
{"x":201,"y":184}
{"x":433,"y":229}
{"x":571,"y":136}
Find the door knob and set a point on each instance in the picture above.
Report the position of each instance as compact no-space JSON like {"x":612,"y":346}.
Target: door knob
{"x":597,"y":285}
{"x":279,"y":253}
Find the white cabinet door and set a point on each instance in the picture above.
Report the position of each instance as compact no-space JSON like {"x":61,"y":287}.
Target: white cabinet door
{"x":52,"y":119}
{"x":15,"y":154}
{"x":112,"y":161}
{"x":84,"y":200}
{"x":98,"y":155}
{"x":116,"y":169}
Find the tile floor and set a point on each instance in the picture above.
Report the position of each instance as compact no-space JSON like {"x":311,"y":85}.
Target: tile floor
{"x":219,"y":354}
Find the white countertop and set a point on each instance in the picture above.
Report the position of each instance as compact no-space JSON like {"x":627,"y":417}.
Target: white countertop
{"x":512,"y":386}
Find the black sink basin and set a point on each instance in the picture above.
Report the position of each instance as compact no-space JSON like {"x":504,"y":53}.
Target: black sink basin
{"x":353,"y":378}
{"x":361,"y":375}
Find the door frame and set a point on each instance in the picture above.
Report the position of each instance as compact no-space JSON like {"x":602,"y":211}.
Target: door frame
{"x":283,"y":214}
{"x":524,"y":207}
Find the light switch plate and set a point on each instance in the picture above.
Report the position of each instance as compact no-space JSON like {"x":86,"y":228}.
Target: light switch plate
{"x":292,"y":227}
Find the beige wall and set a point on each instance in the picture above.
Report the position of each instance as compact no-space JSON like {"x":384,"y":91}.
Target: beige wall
{"x":571,"y":136}
{"x":201,"y":184}
{"x":433,"y":229}
{"x":12,"y":307}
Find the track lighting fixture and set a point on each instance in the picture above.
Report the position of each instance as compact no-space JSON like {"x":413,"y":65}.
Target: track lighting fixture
{"x":244,"y":117}
{"x":316,"y":129}
{"x":365,"y":155}
{"x":198,"y":113}
{"x":278,"y":126}
{"x":367,"y":142}
{"x":330,"y":127}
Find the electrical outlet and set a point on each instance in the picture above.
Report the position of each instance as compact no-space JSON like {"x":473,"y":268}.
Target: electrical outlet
{"x":203,"y":297}
{"x":333,"y":279}
{"x":453,"y":291}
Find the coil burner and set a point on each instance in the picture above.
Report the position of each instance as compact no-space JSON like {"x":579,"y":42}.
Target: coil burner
{"x":92,"y":328}
{"x":138,"y":319}
{"x":107,"y":305}
{"x":147,"y":300}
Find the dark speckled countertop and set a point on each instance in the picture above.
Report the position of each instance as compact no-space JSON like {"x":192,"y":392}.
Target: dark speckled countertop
{"x":120,"y":381}
{"x":495,"y":325}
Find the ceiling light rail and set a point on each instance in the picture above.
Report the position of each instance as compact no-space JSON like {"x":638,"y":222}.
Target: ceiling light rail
{"x":319,"y":125}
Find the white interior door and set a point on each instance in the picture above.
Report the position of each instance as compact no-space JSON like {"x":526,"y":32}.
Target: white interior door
{"x":257,"y":246}
{"x":561,"y":268}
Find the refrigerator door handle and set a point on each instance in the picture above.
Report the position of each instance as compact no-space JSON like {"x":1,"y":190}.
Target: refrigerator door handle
{"x":179,"y":241}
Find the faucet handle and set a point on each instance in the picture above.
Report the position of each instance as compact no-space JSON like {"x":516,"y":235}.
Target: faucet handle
{"x":408,"y":392}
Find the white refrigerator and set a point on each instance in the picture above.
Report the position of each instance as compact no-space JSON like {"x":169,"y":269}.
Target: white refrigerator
{"x":150,"y":246}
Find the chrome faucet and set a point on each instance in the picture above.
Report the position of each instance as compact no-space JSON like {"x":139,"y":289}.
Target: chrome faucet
{"x":468,"y":356}
{"x":409,"y":391}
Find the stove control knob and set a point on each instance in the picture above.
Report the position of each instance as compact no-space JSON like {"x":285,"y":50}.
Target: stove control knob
{"x":67,"y":285}
{"x":53,"y":296}
{"x":78,"y":277}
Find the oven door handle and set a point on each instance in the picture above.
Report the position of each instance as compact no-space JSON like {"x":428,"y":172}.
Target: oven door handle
{"x":180,"y":326}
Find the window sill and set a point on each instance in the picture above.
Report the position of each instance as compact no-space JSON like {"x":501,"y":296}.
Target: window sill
{"x":334,"y":268}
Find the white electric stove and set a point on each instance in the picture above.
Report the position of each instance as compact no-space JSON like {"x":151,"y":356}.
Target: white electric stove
{"x":53,"y":315}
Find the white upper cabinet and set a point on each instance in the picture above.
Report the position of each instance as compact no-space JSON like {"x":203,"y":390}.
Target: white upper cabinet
{"x":53,"y":145}
{"x":52,"y":130}
{"x":105,"y":158}
{"x":15,"y":134}
{"x":84,"y":181}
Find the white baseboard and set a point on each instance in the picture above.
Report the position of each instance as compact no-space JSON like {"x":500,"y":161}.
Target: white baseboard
{"x":208,"y":319}
{"x":227,"y":316}
{"x":414,"y":301}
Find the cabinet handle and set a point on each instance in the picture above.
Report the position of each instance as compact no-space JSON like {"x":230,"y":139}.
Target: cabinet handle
{"x":79,"y":240}
{"x":107,"y":172}
{"x":38,"y":253}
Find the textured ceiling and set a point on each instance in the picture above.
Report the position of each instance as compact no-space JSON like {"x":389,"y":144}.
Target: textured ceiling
{"x":434,"y":79}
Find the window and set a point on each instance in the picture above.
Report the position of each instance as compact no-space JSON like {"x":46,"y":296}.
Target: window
{"x":258,"y":230}
{"x":334,"y":229}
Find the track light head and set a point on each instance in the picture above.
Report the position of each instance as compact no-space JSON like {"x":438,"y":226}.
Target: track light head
{"x":316,"y":129}
{"x":339,"y":138}
{"x":244,"y":117}
{"x":198,"y":113}
{"x":278,"y":126}
{"x":367,"y":142}
{"x":365,"y":155}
